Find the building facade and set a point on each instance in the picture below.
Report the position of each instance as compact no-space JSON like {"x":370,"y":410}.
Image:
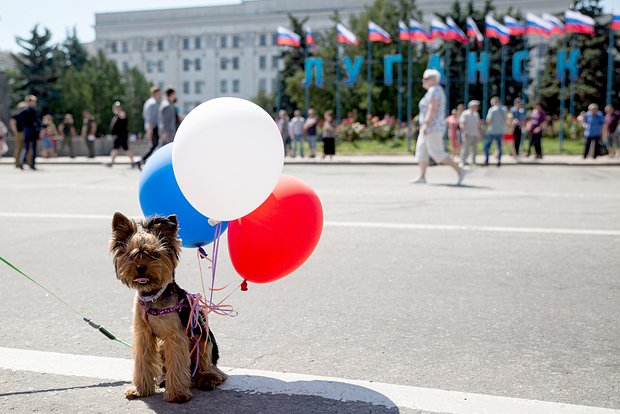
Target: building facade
{"x":206,"y":52}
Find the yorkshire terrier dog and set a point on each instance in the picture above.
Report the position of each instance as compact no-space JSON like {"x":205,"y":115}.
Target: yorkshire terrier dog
{"x":171,"y":339}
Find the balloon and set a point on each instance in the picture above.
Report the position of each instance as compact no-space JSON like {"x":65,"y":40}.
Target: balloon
{"x":228,"y":156}
{"x":277,"y":237}
{"x":160,"y":195}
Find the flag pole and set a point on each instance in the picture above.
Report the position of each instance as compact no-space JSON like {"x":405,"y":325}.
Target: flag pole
{"x":409,"y":92}
{"x":338,"y":84}
{"x":369,"y":79}
{"x":307,"y":91}
{"x":562,"y":102}
{"x":485,"y":86}
{"x":278,"y":87}
{"x":503,"y":76}
{"x":572,"y":85}
{"x":466,"y":83}
{"x":400,"y":82}
{"x":447,"y":73}
{"x":610,"y":65}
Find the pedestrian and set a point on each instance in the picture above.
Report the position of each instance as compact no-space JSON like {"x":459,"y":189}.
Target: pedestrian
{"x":328,"y":135}
{"x":518,"y":120}
{"x":4,"y":147}
{"x":535,"y":126}
{"x":16,"y":125}
{"x":32,"y":126}
{"x":469,"y":123}
{"x":496,"y":125}
{"x":167,"y":119}
{"x":119,"y":128}
{"x":611,"y":131}
{"x":68,"y":131}
{"x":593,"y":122}
{"x":432,"y":128}
{"x":453,"y":128}
{"x":296,"y":130}
{"x":282,"y":122}
{"x":150,"y":113}
{"x":310,"y":127}
{"x":48,"y":134}
{"x":89,"y":129}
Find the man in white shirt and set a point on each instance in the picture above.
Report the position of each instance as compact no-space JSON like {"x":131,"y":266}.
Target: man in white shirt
{"x":296,"y":130}
{"x":469,"y":123}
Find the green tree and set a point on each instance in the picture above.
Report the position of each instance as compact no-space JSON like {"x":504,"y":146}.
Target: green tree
{"x":75,"y":54}
{"x":39,"y":67}
{"x":136,"y":90}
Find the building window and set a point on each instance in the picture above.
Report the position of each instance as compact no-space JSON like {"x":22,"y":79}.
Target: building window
{"x":262,"y":62}
{"x":160,"y":85}
{"x":187,"y":107}
{"x":223,"y":42}
{"x":224,"y":63}
{"x":160,"y":45}
{"x":262,"y":84}
{"x":274,"y":62}
{"x":125,"y":66}
{"x":274,"y":84}
{"x":198,"y":43}
{"x":186,"y":87}
{"x":185,"y":43}
{"x":236,"y":86}
{"x":125,"y":47}
{"x":198,"y":87}
{"x":160,"y":66}
{"x":149,"y":67}
{"x":113,"y":47}
{"x":223,"y":86}
{"x":262,"y":40}
{"x":235,"y":62}
{"x":197,"y":64}
{"x":236,"y":41}
{"x":186,"y":64}
{"x":274,"y":39}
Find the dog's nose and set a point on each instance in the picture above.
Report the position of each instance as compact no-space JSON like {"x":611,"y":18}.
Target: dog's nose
{"x":141,"y":269}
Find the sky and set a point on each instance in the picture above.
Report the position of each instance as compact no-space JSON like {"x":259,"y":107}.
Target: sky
{"x":62,"y":15}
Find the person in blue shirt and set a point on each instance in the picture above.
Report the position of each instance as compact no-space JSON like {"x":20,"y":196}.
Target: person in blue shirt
{"x":593,"y":122}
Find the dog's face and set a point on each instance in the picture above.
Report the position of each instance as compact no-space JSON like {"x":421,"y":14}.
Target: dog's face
{"x":145,"y":253}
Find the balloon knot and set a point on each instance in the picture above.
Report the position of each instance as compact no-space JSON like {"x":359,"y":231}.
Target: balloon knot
{"x":213,"y":222}
{"x":244,"y":286}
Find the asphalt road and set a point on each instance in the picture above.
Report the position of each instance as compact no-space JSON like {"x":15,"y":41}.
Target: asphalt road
{"x":505,"y":286}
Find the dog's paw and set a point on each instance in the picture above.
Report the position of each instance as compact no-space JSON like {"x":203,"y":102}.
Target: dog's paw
{"x":132,"y":392}
{"x":177,"y":397}
{"x":209,"y":380}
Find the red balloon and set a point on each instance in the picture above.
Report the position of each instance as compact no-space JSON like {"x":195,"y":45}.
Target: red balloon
{"x":279,"y":236}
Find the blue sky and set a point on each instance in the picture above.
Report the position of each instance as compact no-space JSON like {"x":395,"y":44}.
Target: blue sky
{"x":61,"y":15}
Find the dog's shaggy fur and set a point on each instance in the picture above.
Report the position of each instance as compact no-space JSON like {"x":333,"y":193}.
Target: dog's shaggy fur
{"x":145,"y":257}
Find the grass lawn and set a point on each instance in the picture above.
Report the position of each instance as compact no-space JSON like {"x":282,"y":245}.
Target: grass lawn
{"x":363,"y":147}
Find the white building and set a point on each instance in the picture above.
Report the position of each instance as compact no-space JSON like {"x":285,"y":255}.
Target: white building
{"x":231,"y":50}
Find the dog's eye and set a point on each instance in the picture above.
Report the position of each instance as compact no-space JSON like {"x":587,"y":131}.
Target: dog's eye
{"x":153,"y":255}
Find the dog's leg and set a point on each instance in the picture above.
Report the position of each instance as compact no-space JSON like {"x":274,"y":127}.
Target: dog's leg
{"x":176,"y":355}
{"x":209,"y":375}
{"x":147,"y":365}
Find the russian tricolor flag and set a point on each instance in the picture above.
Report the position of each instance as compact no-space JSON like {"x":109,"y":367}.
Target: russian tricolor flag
{"x":377,"y":34}
{"x":309,"y":39}
{"x":557,"y":27}
{"x":534,"y":25}
{"x":515,"y":27}
{"x":288,"y":38}
{"x":345,"y":35}
{"x":455,"y":31}
{"x":417,"y":32}
{"x":473,"y":31}
{"x":439,"y":30}
{"x":495,"y":29}
{"x":578,"y":23}
{"x":403,"y":31}
{"x":615,"y":21}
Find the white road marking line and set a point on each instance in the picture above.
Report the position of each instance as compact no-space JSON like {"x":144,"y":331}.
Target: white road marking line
{"x":389,"y":395}
{"x":362,"y":224}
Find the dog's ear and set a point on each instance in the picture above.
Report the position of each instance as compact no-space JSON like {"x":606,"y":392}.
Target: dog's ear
{"x":166,"y":226}
{"x":122,"y":227}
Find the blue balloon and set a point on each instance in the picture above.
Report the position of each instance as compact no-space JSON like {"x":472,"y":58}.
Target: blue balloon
{"x":160,"y":195}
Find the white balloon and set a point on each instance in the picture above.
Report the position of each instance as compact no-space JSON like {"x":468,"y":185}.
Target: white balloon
{"x":227,"y":157}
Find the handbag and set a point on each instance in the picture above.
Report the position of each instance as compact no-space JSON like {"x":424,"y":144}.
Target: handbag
{"x":602,"y":149}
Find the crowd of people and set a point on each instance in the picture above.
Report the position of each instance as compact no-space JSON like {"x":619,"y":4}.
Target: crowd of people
{"x":161,"y":120}
{"x":297,"y":129}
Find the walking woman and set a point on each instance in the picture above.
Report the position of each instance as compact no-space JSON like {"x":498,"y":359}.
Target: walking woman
{"x":432,"y":128}
{"x":535,"y":128}
{"x":329,"y":135}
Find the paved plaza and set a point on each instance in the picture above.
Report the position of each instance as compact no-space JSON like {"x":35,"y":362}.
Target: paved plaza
{"x":499,"y":296}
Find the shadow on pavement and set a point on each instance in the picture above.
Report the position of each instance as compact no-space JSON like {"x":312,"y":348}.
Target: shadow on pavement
{"x":238,"y":402}
{"x":477,"y":187}
{"x":81,"y":387}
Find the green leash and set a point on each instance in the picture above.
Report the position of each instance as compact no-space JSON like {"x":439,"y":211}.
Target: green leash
{"x":94,"y":325}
